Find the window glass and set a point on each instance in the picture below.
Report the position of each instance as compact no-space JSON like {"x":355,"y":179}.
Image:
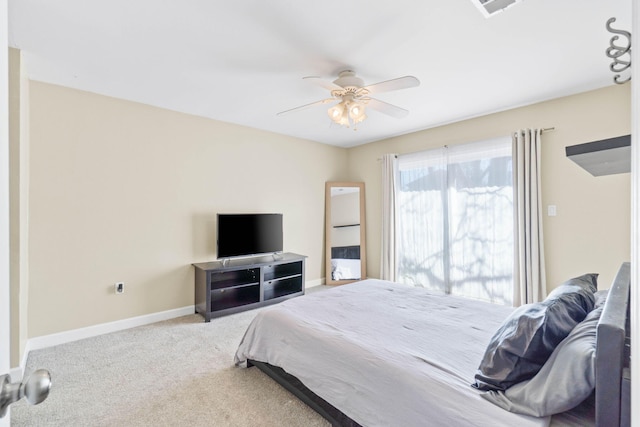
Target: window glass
{"x":455,"y":220}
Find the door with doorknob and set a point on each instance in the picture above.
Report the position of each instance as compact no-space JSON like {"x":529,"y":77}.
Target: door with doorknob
{"x":34,"y":388}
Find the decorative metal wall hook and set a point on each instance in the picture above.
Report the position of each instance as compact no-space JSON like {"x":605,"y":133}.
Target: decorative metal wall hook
{"x":616,"y":52}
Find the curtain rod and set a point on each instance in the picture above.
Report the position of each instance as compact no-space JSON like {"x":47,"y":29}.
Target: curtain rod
{"x":551,"y":129}
{"x":543,"y":130}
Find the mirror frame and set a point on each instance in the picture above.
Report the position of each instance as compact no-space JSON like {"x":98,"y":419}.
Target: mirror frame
{"x":363,"y":251}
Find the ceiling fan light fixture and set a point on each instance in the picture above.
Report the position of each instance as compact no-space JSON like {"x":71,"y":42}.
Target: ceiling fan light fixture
{"x":344,"y":118}
{"x":352,"y":97}
{"x":359,"y":119}
{"x":491,"y":7}
{"x":336,"y":112}
{"x":357,"y":113}
{"x":347,"y":113}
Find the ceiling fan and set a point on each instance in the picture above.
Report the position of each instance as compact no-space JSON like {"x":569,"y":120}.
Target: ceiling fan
{"x":352,"y":97}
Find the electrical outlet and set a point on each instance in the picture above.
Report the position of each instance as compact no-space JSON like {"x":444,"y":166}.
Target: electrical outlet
{"x":119,"y":287}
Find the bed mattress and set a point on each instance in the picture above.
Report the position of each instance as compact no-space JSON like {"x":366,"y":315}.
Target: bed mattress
{"x":385,"y":353}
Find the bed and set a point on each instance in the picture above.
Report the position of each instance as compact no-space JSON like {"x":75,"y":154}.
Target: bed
{"x":376,"y":353}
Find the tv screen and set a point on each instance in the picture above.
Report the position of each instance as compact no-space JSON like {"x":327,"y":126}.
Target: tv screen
{"x":249,"y":234}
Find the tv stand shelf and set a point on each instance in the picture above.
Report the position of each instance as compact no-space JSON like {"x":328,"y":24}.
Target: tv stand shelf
{"x":234,"y":285}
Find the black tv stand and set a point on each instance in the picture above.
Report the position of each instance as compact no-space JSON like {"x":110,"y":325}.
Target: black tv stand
{"x":233,"y":285}
{"x":276,"y":257}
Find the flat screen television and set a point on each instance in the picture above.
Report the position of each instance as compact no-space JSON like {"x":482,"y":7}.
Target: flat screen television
{"x":249,"y":234}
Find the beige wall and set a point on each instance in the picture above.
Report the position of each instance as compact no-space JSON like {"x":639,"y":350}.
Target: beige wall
{"x":121,"y":191}
{"x":591,"y":232}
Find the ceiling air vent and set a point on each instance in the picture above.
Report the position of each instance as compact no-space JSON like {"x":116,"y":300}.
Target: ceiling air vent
{"x":490,"y":7}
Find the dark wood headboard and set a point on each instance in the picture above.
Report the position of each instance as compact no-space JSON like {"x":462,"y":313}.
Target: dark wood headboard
{"x":612,"y":354}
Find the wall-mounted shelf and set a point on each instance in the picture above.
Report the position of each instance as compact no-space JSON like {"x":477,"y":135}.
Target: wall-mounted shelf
{"x":604,"y":157}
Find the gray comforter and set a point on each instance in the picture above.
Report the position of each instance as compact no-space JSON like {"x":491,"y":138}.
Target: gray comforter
{"x":385,"y":354}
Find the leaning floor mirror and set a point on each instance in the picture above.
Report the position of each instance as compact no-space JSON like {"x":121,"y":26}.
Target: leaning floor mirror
{"x":345,"y":232}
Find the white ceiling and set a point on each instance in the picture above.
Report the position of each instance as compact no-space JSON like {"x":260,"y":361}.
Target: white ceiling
{"x":243,"y":61}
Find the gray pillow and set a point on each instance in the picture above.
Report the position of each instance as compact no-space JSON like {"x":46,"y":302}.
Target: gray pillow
{"x":576,"y":289}
{"x":601,"y":298}
{"x":526,"y":339}
{"x":565,"y":380}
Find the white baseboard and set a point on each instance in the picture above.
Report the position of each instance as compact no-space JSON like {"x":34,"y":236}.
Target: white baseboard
{"x":16,"y":374}
{"x":312,"y":283}
{"x":45,"y":341}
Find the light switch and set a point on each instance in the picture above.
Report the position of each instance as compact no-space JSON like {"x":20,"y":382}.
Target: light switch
{"x":551,"y":210}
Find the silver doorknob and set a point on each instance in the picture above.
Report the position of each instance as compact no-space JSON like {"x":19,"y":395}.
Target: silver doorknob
{"x":35,"y":389}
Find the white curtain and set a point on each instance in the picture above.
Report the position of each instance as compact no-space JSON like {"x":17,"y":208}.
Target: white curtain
{"x":529,"y":270}
{"x":388,"y":267}
{"x":455,"y":220}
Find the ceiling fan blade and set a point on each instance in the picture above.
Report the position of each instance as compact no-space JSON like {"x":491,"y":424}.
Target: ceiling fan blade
{"x":393,"y":84}
{"x":303,"y":107}
{"x":323,"y":83}
{"x":386,"y":108}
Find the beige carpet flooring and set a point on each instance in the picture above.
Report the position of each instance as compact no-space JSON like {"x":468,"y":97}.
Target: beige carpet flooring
{"x":173,"y":373}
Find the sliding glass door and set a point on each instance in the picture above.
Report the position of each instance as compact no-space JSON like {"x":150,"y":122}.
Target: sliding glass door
{"x":455,"y":220}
